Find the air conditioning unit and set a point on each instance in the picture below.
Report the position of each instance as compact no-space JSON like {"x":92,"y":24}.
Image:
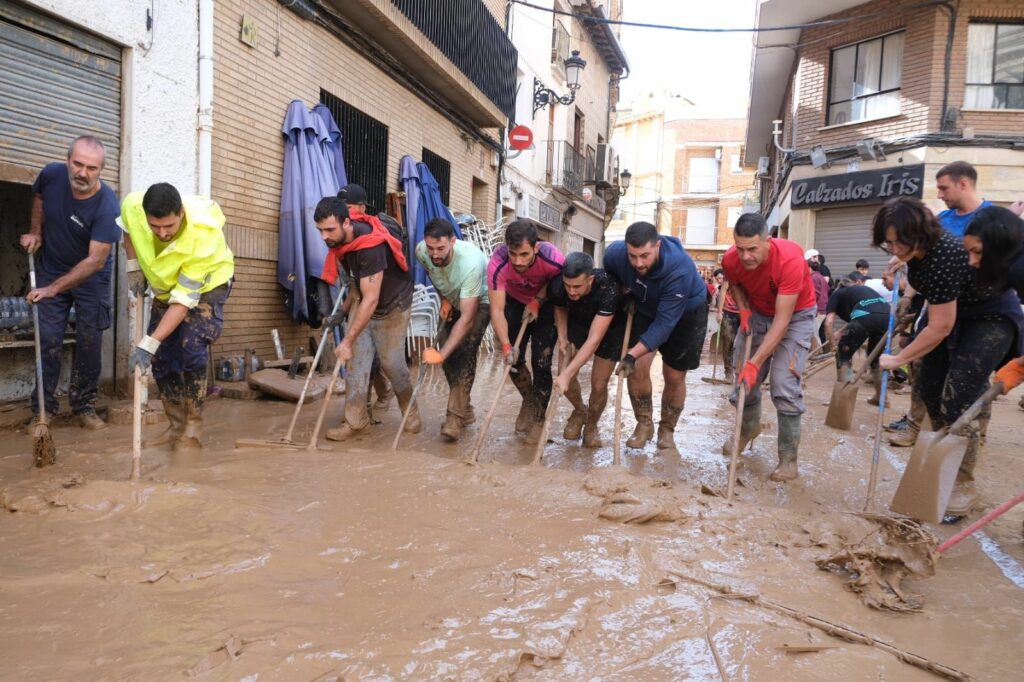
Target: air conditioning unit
{"x":762,"y":166}
{"x":718,"y":154}
{"x":607,"y":164}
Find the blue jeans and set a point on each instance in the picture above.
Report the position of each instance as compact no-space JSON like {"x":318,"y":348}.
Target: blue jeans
{"x":92,"y":302}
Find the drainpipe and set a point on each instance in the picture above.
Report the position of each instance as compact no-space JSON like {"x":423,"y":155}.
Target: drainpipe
{"x":205,"y":96}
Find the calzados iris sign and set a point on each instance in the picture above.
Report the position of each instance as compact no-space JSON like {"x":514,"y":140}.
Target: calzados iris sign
{"x":866,"y":187}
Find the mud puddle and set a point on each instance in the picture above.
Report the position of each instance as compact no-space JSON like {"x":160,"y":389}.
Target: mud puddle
{"x":368,"y":564}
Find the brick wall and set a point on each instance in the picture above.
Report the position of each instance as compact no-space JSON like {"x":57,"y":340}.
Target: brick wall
{"x":252,"y":89}
{"x":922,"y":78}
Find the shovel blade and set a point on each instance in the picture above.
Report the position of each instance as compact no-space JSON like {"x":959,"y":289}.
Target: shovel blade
{"x":841,"y":405}
{"x":242,"y":443}
{"x":927,"y":482}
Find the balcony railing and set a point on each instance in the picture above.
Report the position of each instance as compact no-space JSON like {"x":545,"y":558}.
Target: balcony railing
{"x":567,"y":169}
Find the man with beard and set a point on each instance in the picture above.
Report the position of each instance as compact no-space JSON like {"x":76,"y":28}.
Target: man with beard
{"x":73,"y":227}
{"x":771,"y":282}
{"x":181,"y":251}
{"x":517,"y":285}
{"x":458,"y":271}
{"x":588,"y":315}
{"x":379,"y":312}
{"x":671,"y":319}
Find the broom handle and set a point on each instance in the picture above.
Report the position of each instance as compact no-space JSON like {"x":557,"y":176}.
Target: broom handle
{"x":983,"y":521}
{"x":474,"y":455}
{"x":741,"y":398}
{"x":877,"y":450}
{"x":617,"y":448}
{"x":140,"y":318}
{"x":312,"y":368}
{"x":323,"y":408}
{"x":39,"y":352}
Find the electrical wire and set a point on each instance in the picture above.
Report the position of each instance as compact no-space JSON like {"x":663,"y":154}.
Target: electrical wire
{"x":702,"y":29}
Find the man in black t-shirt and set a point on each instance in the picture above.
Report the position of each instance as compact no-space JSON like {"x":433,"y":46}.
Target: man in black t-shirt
{"x":867,"y":317}
{"x":378,"y":308}
{"x":588,"y":315}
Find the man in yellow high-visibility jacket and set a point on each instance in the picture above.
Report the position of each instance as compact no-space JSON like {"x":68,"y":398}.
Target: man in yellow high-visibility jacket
{"x":178,"y":246}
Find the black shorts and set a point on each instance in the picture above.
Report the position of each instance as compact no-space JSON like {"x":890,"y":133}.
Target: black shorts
{"x":610,"y":347}
{"x":681,"y":351}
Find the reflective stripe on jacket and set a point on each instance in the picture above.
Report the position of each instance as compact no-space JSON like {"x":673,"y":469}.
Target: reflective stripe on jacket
{"x":197,"y":260}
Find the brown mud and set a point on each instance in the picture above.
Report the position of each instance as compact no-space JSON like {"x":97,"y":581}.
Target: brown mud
{"x":364,"y":563}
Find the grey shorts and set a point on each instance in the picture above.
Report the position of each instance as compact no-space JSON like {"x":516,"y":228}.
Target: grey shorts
{"x":786,"y":365}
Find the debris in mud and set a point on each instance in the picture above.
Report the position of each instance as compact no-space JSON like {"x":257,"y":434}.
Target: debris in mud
{"x":899,"y":548}
{"x":629,"y":499}
{"x":229,"y":651}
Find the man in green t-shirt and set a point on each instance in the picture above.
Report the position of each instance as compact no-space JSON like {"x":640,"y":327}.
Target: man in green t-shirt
{"x":458,"y":270}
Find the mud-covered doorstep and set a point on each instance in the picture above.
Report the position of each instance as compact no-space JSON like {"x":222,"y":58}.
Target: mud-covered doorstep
{"x":365,"y":563}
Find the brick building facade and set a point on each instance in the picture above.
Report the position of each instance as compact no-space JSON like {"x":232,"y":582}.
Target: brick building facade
{"x":878,"y":78}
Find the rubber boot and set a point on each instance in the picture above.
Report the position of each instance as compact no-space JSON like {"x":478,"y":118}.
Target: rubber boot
{"x":413,"y":424}
{"x":574,"y":425}
{"x":667,"y":427}
{"x":907,"y":437}
{"x":382,"y":387}
{"x":789,"y":446}
{"x":459,"y":411}
{"x":524,"y":384}
{"x":750,"y":428}
{"x":175,"y":412}
{"x":643,"y":410}
{"x":194,"y":394}
{"x":591,"y":430}
{"x":876,"y":373}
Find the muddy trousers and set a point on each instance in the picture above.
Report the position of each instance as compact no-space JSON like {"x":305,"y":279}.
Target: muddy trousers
{"x":727,"y":330}
{"x":179,"y":366}
{"x":460,"y":367}
{"x":385,"y":337}
{"x":539,"y":339}
{"x":957,"y":372}
{"x":870,"y":328}
{"x":91,"y":300}
{"x":786,"y":365}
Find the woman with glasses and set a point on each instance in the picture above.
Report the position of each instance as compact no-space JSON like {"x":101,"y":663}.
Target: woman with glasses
{"x":970,"y":329}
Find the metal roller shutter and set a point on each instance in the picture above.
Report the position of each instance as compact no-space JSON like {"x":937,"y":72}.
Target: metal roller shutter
{"x":843,"y":236}
{"x":56,"y":82}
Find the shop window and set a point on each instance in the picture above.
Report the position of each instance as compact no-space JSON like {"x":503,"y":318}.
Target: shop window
{"x":995,"y":66}
{"x":441,"y":169}
{"x":865,"y":80}
{"x":364,"y":142}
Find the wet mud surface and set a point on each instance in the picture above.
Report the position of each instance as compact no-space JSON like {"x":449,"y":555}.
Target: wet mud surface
{"x":364,"y":563}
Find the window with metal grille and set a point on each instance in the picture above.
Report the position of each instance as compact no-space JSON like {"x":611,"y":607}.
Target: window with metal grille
{"x":364,"y":142}
{"x":441,"y":169}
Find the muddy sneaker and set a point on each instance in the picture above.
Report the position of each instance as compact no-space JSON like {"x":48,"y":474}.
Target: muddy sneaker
{"x":873,"y":400}
{"x":343,"y":432}
{"x":451,"y":430}
{"x":898,"y":425}
{"x":907,"y":437}
{"x":90,"y":420}
{"x":963,"y":499}
{"x":574,"y":426}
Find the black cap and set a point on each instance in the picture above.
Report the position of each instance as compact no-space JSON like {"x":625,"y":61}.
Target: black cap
{"x":353,"y":194}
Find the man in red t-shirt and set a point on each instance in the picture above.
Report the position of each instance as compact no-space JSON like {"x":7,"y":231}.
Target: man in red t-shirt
{"x":771,"y":283}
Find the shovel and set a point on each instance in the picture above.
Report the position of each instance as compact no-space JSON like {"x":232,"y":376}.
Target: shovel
{"x":43,"y":451}
{"x":286,"y":441}
{"x":844,"y":393}
{"x":927,"y":482}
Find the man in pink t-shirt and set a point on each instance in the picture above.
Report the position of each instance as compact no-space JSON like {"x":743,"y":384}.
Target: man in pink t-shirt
{"x":517,"y":286}
{"x":771,"y":283}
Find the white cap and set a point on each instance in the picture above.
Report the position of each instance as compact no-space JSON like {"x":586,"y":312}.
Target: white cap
{"x":809,"y":253}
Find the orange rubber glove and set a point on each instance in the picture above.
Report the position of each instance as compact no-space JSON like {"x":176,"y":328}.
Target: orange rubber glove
{"x":446,"y":310}
{"x":748,"y":376}
{"x":1011,"y":375}
{"x":745,"y":320}
{"x":432,"y":357}
{"x":532,"y":311}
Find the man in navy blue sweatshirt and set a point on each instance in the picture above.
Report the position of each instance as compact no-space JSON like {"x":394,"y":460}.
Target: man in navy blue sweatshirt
{"x":671,"y":318}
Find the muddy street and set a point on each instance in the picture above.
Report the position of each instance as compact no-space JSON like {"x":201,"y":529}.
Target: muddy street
{"x":362,"y":563}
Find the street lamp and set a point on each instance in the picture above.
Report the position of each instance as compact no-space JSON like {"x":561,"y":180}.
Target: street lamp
{"x":543,"y":96}
{"x":624,"y":179}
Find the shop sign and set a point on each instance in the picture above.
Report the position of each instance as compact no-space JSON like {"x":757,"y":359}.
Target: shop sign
{"x":864,"y":187}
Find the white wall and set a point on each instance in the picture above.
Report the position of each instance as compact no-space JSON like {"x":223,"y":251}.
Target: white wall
{"x":160,"y":83}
